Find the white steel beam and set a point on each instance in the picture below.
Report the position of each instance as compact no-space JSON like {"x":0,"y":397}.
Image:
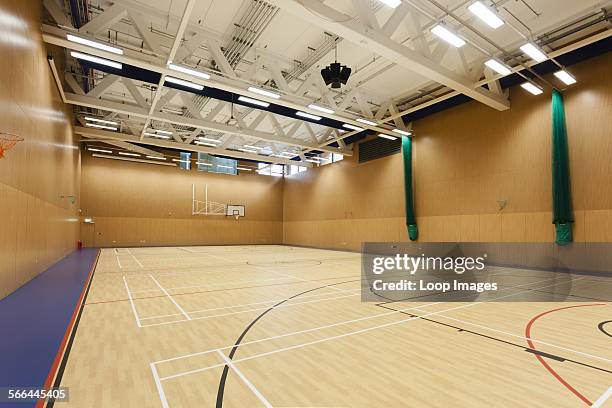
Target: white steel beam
{"x":103,"y":85}
{"x":56,"y":36}
{"x":329,"y":19}
{"x":114,"y":136}
{"x":111,"y":16}
{"x":175,"y":45}
{"x":569,"y":48}
{"x":134,"y":92}
{"x":57,"y":13}
{"x":84,"y":100}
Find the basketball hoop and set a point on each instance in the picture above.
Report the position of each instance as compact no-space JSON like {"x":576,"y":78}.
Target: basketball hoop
{"x":7,"y":141}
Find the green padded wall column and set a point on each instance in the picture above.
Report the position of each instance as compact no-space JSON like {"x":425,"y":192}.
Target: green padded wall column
{"x":413,"y":232}
{"x":562,"y":200}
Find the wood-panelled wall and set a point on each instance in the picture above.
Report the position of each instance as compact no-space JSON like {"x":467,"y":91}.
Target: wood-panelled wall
{"x":136,"y":204}
{"x":37,"y":227}
{"x":465,"y":160}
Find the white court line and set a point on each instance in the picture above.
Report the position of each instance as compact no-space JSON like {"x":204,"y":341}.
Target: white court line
{"x":171,"y":298}
{"x":314,"y":281}
{"x":132,"y":302}
{"x":312,"y":329}
{"x":245,"y":380}
{"x":212,"y":284}
{"x":137,"y":261}
{"x":332,"y":337}
{"x":132,"y":255}
{"x":242,"y":305}
{"x":160,"y":388}
{"x":249,"y":310}
{"x":526,"y":338}
{"x":604,"y":397}
{"x":301,"y":345}
{"x":284,"y":274}
{"x":246,"y":304}
{"x":118,"y":262}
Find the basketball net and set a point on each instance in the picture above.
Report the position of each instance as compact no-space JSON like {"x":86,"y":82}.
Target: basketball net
{"x":7,"y":141}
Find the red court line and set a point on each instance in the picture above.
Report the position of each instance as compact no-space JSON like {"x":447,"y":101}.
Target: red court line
{"x":544,"y":363}
{"x":62,"y":348}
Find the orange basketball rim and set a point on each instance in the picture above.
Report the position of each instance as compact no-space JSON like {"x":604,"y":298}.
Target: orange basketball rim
{"x":7,"y":141}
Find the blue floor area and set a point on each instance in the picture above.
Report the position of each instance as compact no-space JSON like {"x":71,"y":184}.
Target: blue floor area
{"x":34,"y":318}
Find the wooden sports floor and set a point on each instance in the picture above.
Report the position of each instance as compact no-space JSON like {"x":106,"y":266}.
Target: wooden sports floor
{"x":281,"y":326}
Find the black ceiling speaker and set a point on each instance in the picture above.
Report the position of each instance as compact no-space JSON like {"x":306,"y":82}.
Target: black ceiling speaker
{"x":335,"y":73}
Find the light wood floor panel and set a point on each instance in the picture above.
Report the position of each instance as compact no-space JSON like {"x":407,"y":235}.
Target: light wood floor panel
{"x":320,"y":346}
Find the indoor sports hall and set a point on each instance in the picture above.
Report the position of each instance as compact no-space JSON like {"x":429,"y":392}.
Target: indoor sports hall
{"x":305,"y":203}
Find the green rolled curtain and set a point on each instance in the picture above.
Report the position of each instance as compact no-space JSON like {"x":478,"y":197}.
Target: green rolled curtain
{"x":413,"y":231}
{"x":562,"y":200}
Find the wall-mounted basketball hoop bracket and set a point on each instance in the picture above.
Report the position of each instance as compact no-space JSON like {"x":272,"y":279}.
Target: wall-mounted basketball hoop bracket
{"x":8,"y":141}
{"x":209,"y":207}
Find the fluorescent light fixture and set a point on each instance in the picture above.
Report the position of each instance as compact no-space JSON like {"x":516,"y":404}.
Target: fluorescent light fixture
{"x":498,"y":67}
{"x":319,"y":158}
{"x":223,"y":166}
{"x":248,"y":150}
{"x":102,"y":156}
{"x":307,"y":115}
{"x":253,"y":101}
{"x":367,"y":122}
{"x":165,"y":132}
{"x":401,"y":132}
{"x":534,"y":52}
{"x":100,"y":126}
{"x":287,"y":154}
{"x":94,"y":44}
{"x":108,"y":122}
{"x":486,"y":14}
{"x":180,"y":161}
{"x":565,"y":77}
{"x":88,"y":220}
{"x":129,"y":154}
{"x":168,"y":110}
{"x":204,"y":144}
{"x":156,"y":135}
{"x":320,"y":108}
{"x":263,"y":92}
{"x":91,"y":149}
{"x":313,"y":161}
{"x":253,"y":147}
{"x":387,"y":136}
{"x":189,"y":71}
{"x":391,"y":3}
{"x":244,"y":169}
{"x":97,"y":60}
{"x":206,"y":139}
{"x":448,"y":36}
{"x":352,"y":127}
{"x":203,"y":164}
{"x":155,"y":157}
{"x":529,"y":87}
{"x":182,"y":82}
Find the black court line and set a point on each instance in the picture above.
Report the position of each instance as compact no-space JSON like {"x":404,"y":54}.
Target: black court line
{"x":223,"y":378}
{"x":601,"y":325}
{"x":527,"y":349}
